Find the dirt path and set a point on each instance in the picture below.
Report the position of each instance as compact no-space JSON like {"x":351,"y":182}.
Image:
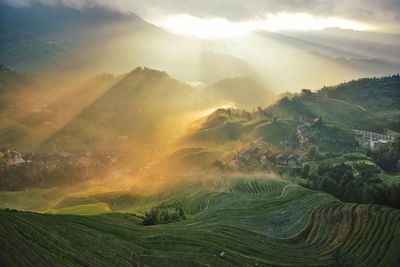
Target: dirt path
{"x":347,"y":103}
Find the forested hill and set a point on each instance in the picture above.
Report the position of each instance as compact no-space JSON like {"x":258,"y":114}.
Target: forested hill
{"x":374,"y":94}
{"x":369,"y":104}
{"x":366,"y":104}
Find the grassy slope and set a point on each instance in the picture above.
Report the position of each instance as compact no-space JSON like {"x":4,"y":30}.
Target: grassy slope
{"x":345,"y":115}
{"x":222,"y":129}
{"x":380,"y":95}
{"x":86,"y":209}
{"x":44,"y":199}
{"x":370,"y":104}
{"x":254,"y":222}
{"x":190,"y":158}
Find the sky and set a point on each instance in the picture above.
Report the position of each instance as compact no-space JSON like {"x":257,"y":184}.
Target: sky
{"x":227,"y":15}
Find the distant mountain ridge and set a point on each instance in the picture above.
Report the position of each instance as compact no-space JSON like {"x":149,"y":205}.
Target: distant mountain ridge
{"x":61,"y":40}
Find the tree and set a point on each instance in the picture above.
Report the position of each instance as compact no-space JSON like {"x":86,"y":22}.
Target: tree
{"x":388,"y":157}
{"x":305,"y":172}
{"x":313,"y":153}
{"x":329,"y":185}
{"x":150,"y":218}
{"x":164,"y":216}
{"x":351,"y":193}
{"x":368,"y":195}
{"x":4,"y":161}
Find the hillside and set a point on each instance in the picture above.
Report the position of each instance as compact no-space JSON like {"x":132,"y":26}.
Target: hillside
{"x":235,"y":126}
{"x":34,"y":107}
{"x":136,"y":109}
{"x":108,"y":110}
{"x":42,"y":38}
{"x":372,"y":104}
{"x":340,"y":107}
{"x":380,"y":96}
{"x":258,"y":222}
{"x":36,"y":114}
{"x":375,"y":94}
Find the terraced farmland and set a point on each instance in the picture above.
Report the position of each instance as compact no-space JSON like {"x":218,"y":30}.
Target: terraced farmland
{"x":114,"y":200}
{"x":249,"y":222}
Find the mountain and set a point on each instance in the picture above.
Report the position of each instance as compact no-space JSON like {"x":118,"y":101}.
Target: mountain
{"x":33,"y":107}
{"x":338,"y":43}
{"x":54,"y":37}
{"x":134,"y":110}
{"x":366,"y":104}
{"x":140,"y":107}
{"x":63,"y":24}
{"x":60,"y":40}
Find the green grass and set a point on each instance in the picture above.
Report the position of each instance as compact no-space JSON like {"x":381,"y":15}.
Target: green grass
{"x":255,"y":222}
{"x":116,"y":200}
{"x":33,"y":199}
{"x":390,"y":178}
{"x":275,"y":131}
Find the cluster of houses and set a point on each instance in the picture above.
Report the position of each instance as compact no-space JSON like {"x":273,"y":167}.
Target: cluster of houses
{"x":319,"y":95}
{"x":14,"y":157}
{"x":87,"y":159}
{"x":371,"y":140}
{"x":256,"y":156}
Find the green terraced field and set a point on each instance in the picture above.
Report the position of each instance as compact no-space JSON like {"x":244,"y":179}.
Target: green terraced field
{"x":241,"y":222}
{"x":114,"y":200}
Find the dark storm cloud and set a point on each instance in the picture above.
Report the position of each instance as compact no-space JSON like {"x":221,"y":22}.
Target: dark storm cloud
{"x":370,"y":11}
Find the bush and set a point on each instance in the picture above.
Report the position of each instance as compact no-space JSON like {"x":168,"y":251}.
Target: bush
{"x":163,"y":214}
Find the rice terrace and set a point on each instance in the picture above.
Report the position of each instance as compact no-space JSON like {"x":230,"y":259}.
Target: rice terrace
{"x":250,"y":221}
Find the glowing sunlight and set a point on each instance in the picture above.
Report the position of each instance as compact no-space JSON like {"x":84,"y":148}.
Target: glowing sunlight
{"x":209,"y":28}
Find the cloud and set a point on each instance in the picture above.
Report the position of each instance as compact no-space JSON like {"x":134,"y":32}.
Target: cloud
{"x":220,"y":28}
{"x":367,"y":11}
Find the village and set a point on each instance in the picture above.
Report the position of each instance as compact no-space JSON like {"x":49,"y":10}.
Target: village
{"x":265,"y":156}
{"x":259,"y":155}
{"x":371,"y":140}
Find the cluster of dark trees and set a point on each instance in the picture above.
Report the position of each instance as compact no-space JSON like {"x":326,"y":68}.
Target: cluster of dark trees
{"x":388,"y":157}
{"x":340,"y":181}
{"x":163,"y":214}
{"x":373,"y":93}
